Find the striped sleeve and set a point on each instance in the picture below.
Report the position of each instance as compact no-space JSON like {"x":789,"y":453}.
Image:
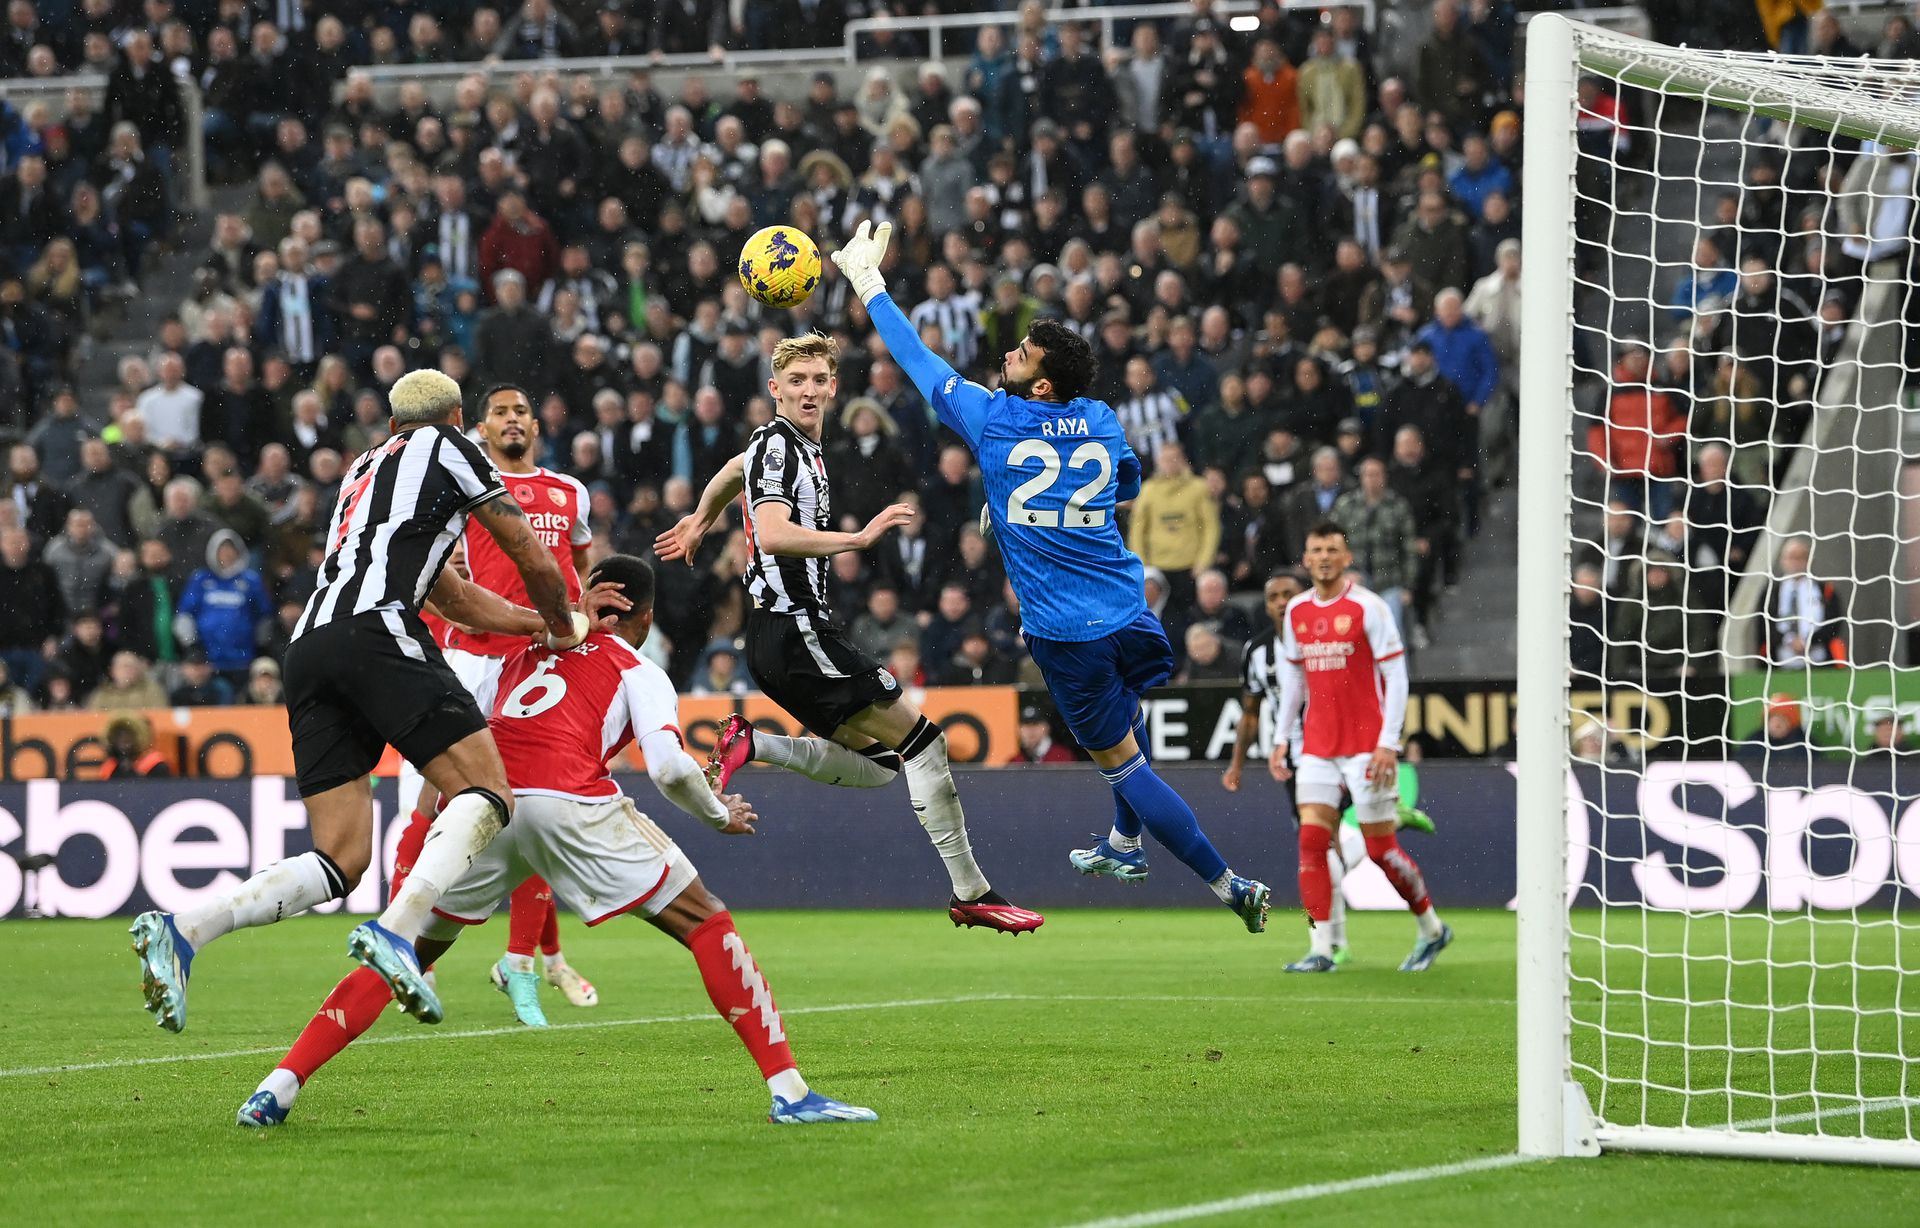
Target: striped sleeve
{"x":771,"y":470}
{"x":472,"y":473}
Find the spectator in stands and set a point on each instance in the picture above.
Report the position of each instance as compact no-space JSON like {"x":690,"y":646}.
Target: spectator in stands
{"x":39,"y":506}
{"x":30,"y":212}
{"x":224,"y":607}
{"x":1434,"y":241}
{"x":1333,"y":89}
{"x":183,"y":529}
{"x":198,"y":685}
{"x":14,"y":699}
{"x":134,"y":192}
{"x":1451,"y":74}
{"x":1712,"y":283}
{"x":1175,"y":527}
{"x":1150,"y":414}
{"x":84,"y":655}
{"x":1382,"y":535}
{"x":130,"y":752}
{"x":1213,"y":610}
{"x":512,"y":341}
{"x":1637,"y":445}
{"x":106,"y":491}
{"x":129,"y":685}
{"x":1314,"y":499}
{"x":519,"y":240}
{"x":1207,"y":658}
{"x":33,"y":615}
{"x":171,"y":408}
{"x":1036,"y":741}
{"x":1723,"y":522}
{"x":371,"y":297}
{"x":81,"y":559}
{"x":1429,"y":493}
{"x":1667,"y":636}
{"x":1586,"y":626}
{"x":264,"y":685}
{"x":1806,"y":618}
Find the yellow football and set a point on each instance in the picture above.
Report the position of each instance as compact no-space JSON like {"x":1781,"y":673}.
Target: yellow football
{"x":780,"y":266}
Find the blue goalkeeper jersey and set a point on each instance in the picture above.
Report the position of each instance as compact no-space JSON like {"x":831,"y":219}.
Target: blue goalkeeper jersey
{"x":1053,"y":476}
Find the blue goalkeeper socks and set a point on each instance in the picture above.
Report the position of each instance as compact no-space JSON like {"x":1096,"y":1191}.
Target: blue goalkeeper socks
{"x":1166,"y":815}
{"x":1126,"y":824}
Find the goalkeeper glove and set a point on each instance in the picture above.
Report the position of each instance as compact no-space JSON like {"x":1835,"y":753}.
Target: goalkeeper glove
{"x":859,"y":258}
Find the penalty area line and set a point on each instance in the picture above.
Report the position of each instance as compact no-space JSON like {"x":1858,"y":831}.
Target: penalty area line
{"x":1303,"y":1193}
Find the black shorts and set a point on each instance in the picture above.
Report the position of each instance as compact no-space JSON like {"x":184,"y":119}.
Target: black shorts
{"x":361,"y":684}
{"x":809,"y":667}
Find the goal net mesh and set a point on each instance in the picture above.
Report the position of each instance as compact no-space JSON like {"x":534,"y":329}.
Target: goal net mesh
{"x":1743,"y":805}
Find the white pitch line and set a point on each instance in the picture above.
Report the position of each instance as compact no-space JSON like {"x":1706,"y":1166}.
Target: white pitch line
{"x":596,"y":1024}
{"x":1302,"y":1193}
{"x":515,"y":1030}
{"x":1840,"y":1110}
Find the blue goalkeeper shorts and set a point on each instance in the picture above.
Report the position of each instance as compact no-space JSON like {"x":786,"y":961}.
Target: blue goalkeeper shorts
{"x":1097,"y":684}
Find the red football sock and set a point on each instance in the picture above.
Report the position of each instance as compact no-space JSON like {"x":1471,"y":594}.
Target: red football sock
{"x":1316,"y":880}
{"x":348,"y":1011}
{"x":550,"y":929}
{"x":407,"y":850}
{"x":740,"y":993}
{"x":527,"y":915}
{"x":1401,"y":870}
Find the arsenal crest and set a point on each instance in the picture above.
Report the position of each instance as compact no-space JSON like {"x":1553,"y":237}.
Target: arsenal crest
{"x":557,"y":495}
{"x":1341,"y":622}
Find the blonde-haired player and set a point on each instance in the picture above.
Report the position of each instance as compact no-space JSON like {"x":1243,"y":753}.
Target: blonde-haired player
{"x":363,"y":673}
{"x":799,"y":655}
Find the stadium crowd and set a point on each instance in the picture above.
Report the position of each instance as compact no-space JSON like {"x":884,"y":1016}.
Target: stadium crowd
{"x":1300,"y":276}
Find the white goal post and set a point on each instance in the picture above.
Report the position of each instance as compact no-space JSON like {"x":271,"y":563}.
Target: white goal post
{"x":1700,"y":970}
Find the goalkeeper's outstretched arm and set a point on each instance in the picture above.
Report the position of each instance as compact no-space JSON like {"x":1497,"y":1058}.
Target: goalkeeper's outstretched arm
{"x":959,"y":404}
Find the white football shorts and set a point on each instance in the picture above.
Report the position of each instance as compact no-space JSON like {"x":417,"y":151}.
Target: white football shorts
{"x":603,"y":858}
{"x":1318,"y":781}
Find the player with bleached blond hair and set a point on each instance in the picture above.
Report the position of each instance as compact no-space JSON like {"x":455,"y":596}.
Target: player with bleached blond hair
{"x":363,"y":673}
{"x":801,"y":657}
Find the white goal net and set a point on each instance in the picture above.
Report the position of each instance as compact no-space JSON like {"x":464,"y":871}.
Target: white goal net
{"x":1719,"y":832}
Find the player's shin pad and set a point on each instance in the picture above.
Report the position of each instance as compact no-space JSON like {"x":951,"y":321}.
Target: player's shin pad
{"x":937,"y":804}
{"x":465,"y":827}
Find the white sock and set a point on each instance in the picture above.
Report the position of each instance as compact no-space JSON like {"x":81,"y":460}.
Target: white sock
{"x":1124,"y":844}
{"x":1320,"y":940}
{"x":275,"y":893}
{"x":1429,"y":923}
{"x":1337,"y":919}
{"x":818,"y":759}
{"x":553,"y":961}
{"x":519,"y":963}
{"x":467,"y":825}
{"x":788,"y":1085}
{"x":1223,"y":887}
{"x":283,"y":1083}
{"x":1352,"y":846}
{"x":937,"y":803}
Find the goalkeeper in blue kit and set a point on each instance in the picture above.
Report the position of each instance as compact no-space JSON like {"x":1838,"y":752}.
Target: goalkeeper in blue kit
{"x":1056,"y":465}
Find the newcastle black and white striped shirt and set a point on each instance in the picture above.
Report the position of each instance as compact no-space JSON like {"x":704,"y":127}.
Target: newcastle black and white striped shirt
{"x":1260,"y":674}
{"x":784,"y":466}
{"x":402,"y":508}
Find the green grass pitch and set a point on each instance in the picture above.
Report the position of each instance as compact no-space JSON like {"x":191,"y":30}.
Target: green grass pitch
{"x":1119,"y":1062}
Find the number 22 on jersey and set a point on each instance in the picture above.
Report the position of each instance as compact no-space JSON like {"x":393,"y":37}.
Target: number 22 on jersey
{"x":1090,"y":454}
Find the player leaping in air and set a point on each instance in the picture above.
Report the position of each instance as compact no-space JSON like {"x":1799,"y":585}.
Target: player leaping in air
{"x":1056,"y":464}
{"x":801,"y":658}
{"x":559,"y":717}
{"x":1343,"y":657}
